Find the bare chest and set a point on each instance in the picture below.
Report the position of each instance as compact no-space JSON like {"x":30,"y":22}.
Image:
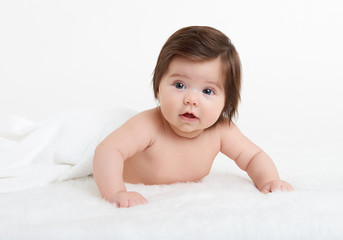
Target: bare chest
{"x":168,"y":161}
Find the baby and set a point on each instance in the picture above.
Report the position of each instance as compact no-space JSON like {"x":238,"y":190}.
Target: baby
{"x":197,"y":82}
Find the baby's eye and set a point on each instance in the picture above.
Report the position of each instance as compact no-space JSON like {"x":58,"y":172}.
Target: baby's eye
{"x":179,"y":85}
{"x":208,"y":91}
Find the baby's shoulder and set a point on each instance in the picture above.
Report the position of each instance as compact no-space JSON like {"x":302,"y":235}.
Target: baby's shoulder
{"x":146,"y":120}
{"x":225,"y":129}
{"x":147,"y":115}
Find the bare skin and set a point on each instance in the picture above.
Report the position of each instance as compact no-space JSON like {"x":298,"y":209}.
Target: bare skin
{"x":178,"y":141}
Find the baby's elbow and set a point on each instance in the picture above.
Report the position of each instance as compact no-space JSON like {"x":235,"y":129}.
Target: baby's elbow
{"x":241,"y":161}
{"x":244,"y":160}
{"x":252,"y":159}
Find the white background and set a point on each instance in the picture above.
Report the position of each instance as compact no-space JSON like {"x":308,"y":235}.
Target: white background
{"x":60,"y":55}
{"x":56,"y":55}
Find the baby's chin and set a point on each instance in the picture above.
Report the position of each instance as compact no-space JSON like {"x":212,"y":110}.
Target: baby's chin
{"x":186,"y":132}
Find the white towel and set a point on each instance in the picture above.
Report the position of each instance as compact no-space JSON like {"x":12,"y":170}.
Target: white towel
{"x":59,"y":148}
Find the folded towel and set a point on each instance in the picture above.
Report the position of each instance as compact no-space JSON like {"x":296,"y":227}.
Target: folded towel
{"x":59,"y":148}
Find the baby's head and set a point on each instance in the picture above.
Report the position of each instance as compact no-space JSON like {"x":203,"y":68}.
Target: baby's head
{"x":199,"y":43}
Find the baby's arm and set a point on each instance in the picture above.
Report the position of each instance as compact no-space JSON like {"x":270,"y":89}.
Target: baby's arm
{"x":109,"y":157}
{"x":262,"y":170}
{"x":252,"y":159}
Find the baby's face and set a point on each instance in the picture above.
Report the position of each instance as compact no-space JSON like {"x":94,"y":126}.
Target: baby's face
{"x":191,"y":95}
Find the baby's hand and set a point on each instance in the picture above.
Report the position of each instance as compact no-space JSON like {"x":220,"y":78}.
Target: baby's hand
{"x":127,"y":199}
{"x":276,"y":185}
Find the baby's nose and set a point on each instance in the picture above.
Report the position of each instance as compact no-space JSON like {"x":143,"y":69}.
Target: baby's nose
{"x":190,"y":99}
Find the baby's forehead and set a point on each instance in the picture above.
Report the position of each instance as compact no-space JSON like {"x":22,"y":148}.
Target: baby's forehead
{"x":208,"y":70}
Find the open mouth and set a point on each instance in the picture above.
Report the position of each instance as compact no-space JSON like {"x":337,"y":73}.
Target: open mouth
{"x":189,"y":115}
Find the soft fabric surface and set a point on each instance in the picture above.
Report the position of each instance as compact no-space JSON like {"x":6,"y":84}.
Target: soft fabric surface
{"x":59,"y":148}
{"x":224,"y":205}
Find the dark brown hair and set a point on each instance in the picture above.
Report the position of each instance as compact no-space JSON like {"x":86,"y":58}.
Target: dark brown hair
{"x":201,"y":43}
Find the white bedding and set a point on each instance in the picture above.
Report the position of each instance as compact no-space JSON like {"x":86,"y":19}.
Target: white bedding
{"x":224,"y":205}
{"x":59,"y":148}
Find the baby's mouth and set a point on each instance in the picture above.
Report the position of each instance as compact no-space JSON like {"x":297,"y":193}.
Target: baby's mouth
{"x":189,"y":115}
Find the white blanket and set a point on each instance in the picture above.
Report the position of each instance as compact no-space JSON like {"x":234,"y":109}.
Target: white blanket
{"x":223,"y":205}
{"x":59,"y":148}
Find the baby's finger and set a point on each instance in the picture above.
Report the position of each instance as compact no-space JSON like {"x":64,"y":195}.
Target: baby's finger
{"x":276,"y":187}
{"x":139,"y":201}
{"x":143,"y":201}
{"x":124,"y":204}
{"x":289,"y":188}
{"x":266,"y":189}
{"x":131,"y":202}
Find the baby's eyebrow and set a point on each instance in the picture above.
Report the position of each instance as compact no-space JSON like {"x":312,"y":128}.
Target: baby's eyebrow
{"x":178,"y":75}
{"x":215,"y":83}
